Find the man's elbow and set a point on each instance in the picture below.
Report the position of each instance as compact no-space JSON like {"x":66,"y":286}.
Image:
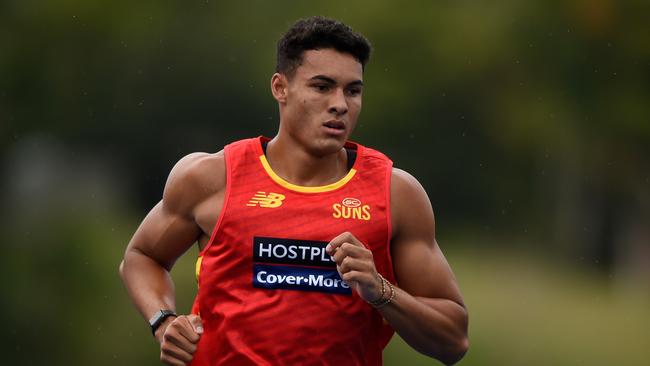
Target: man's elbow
{"x":460,"y":346}
{"x":451,"y":352}
{"x":454,"y":348}
{"x":456,"y":352}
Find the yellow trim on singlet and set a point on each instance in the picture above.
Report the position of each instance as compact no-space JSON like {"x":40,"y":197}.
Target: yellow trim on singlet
{"x":294,"y":187}
{"x":197,"y":268}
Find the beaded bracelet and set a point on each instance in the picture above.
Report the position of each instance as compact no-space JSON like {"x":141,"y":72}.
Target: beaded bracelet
{"x":382,"y":301}
{"x":390,"y":299}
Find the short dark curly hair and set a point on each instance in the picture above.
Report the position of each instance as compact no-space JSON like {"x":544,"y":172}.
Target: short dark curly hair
{"x":315,"y":33}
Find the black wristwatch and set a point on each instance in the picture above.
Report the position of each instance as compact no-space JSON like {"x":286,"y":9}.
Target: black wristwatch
{"x":158,"y":318}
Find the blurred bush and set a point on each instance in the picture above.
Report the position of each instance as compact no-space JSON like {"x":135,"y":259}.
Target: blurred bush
{"x":527,"y":123}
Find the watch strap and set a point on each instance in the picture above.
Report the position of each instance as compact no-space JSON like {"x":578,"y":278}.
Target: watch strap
{"x":158,"y":318}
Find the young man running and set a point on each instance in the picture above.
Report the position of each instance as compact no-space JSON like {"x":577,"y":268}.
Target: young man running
{"x":313,"y":249}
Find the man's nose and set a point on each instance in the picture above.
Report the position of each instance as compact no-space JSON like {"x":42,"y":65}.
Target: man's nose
{"x":338,"y":103}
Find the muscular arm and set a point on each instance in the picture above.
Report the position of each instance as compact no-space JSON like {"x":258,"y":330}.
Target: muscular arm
{"x":169,"y":229}
{"x":428,"y":310}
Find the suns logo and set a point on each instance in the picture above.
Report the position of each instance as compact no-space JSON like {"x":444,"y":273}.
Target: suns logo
{"x":351,"y":208}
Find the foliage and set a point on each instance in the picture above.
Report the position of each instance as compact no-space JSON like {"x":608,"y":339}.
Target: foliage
{"x":527,"y":123}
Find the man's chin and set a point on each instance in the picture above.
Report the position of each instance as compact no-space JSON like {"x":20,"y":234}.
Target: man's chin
{"x":328,"y":146}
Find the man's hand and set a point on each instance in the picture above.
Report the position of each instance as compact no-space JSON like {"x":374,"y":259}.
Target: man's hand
{"x":178,"y":339}
{"x":356,"y":266}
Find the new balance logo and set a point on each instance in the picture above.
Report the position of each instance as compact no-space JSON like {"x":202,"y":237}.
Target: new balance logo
{"x":271,"y":200}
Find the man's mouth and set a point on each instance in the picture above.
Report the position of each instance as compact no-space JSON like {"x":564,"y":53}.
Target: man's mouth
{"x":334,"y":124}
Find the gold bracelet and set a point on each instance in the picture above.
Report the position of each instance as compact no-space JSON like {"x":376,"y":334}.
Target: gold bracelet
{"x":390,"y":299}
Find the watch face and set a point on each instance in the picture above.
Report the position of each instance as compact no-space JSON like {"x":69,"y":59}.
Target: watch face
{"x":158,"y":318}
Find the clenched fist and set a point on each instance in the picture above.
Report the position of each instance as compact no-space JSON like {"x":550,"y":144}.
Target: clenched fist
{"x":356,"y":266}
{"x":178,"y":339}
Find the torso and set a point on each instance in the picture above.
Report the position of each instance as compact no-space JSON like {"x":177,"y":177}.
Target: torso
{"x":234,"y":285}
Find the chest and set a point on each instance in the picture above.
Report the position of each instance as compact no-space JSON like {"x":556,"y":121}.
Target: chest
{"x":278,"y":238}
{"x":317,"y":217}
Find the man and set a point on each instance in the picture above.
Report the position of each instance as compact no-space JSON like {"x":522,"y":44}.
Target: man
{"x":312,"y":249}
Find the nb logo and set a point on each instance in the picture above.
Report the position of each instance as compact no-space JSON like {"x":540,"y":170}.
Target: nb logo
{"x":271,"y":200}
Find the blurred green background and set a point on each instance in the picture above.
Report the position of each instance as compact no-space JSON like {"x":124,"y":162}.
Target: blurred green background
{"x":528,"y":122}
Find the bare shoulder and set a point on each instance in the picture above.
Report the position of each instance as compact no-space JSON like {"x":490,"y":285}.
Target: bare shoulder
{"x":410,"y":206}
{"x":194,"y":178}
{"x":403,"y":183}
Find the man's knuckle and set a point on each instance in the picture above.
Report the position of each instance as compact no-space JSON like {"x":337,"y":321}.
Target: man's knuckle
{"x":173,"y":338}
{"x":169,"y":335}
{"x":346,"y":263}
{"x":186,"y":358}
{"x":178,"y":321}
{"x":166,"y":349}
{"x":194,"y":338}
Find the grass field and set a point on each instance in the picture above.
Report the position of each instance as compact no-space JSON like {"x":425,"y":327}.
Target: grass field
{"x":526,"y":311}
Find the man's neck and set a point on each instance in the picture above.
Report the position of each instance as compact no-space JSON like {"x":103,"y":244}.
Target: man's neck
{"x":296,"y":165}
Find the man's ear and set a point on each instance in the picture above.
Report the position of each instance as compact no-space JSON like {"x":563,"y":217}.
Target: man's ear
{"x":279,"y":86}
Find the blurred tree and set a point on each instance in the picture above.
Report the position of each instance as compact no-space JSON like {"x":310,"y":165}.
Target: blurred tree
{"x":527,"y":122}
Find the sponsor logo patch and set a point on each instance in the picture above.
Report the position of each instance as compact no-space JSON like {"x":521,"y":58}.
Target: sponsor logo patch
{"x":292,"y":264}
{"x":261,"y":199}
{"x":351,"y":208}
{"x":299,"y":278}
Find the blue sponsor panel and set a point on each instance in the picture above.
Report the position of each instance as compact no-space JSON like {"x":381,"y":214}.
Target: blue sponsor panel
{"x":291,"y":251}
{"x":299,"y":278}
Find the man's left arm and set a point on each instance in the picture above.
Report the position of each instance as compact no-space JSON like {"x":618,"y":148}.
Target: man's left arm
{"x":427,"y":310}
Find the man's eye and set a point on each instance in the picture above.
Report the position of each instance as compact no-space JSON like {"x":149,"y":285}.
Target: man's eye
{"x":354,"y":91}
{"x":321,"y":87}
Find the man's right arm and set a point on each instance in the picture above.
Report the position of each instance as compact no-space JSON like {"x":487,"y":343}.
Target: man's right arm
{"x":166,"y":233}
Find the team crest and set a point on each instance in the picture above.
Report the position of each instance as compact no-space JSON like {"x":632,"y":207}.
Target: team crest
{"x":351,"y":208}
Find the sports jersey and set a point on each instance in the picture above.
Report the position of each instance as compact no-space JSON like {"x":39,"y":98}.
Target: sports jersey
{"x":268,"y":293}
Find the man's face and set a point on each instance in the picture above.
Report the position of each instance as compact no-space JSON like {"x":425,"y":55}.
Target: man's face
{"x":323,"y":100}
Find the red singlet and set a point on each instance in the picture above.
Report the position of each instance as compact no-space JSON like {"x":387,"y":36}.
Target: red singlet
{"x":268,"y":292}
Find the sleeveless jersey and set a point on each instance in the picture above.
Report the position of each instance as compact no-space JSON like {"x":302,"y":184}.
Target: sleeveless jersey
{"x":268,"y":293}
